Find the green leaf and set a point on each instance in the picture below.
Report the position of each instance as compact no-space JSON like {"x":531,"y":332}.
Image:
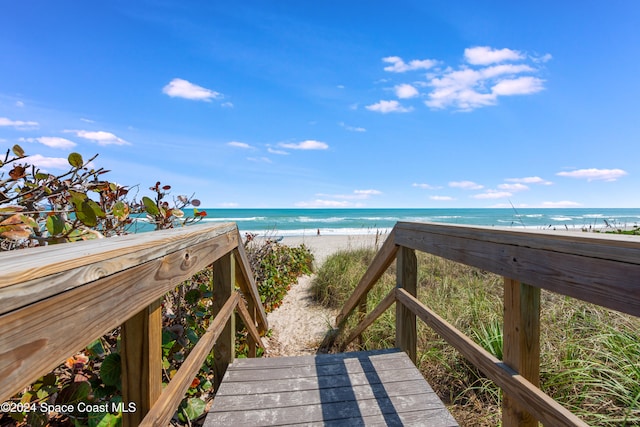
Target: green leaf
{"x":96,"y":348}
{"x":74,"y":392}
{"x":55,"y":225}
{"x":96,"y":209}
{"x":75,"y":160}
{"x":192,"y":296}
{"x":17,"y":150}
{"x":87,"y":215}
{"x":111,"y":370}
{"x":28,"y":221}
{"x":193,"y":409}
{"x":120,"y":210}
{"x":150,"y":206}
{"x":101,"y":419}
{"x":192,"y":336}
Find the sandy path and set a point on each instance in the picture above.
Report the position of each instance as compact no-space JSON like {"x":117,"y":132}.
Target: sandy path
{"x":300,"y":324}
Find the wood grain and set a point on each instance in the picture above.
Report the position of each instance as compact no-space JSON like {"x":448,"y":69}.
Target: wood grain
{"x":174,"y":392}
{"x":251,"y":289}
{"x":407,"y":279}
{"x":37,"y":338}
{"x":597,"y":268}
{"x":379,"y":265}
{"x":371,"y":317}
{"x":223,"y":283}
{"x":543,"y":407}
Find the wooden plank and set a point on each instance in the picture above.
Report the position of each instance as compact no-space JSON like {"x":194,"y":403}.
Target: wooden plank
{"x":379,"y":265}
{"x":596,"y":268}
{"x":141,"y":353}
{"x":407,"y":279}
{"x":34,"y":274}
{"x":248,"y":322}
{"x":251,"y":290}
{"x":371,"y":317}
{"x":543,"y":407}
{"x":37,"y":338}
{"x":223,"y":284}
{"x":174,"y":392}
{"x":521,"y":345}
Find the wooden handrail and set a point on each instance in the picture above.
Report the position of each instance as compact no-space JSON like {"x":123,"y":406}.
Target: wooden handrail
{"x":56,"y":300}
{"x":602,"y":269}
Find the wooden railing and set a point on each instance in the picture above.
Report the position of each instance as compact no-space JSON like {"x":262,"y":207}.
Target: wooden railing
{"x":56,"y":300}
{"x":598,"y":268}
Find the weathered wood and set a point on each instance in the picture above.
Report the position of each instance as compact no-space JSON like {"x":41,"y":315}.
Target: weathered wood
{"x":521,"y":345}
{"x":37,"y":338}
{"x":379,"y":265}
{"x":543,"y":407}
{"x":223,"y":282}
{"x":248,"y":323}
{"x":371,"y":317}
{"x":362,"y":313}
{"x":174,"y":392}
{"x":341,"y":389}
{"x":407,"y":279}
{"x":251,"y":289}
{"x":597,"y":268}
{"x":141,"y":354}
{"x":31,"y":275}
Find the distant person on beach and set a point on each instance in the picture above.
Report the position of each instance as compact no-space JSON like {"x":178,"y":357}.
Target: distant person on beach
{"x":318,"y":231}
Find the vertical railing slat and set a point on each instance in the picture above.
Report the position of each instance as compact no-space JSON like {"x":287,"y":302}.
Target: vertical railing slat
{"x":521,"y":344}
{"x":223,"y":284}
{"x":141,"y":355}
{"x":407,"y":279}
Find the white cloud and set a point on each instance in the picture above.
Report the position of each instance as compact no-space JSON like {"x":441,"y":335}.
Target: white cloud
{"x":442,"y":198}
{"x":52,"y":141}
{"x":520,"y":86}
{"x":259,"y":159}
{"x":466,"y":185}
{"x":405,"y":91}
{"x":180,"y":88}
{"x":19,"y":104}
{"x":399,"y":66}
{"x":492,"y":194}
{"x":238,"y":144}
{"x":49,"y":162}
{"x":595,"y":174}
{"x":529,"y":180}
{"x":100,"y":137}
{"x":483,"y":55}
{"x":388,"y":107}
{"x":228,"y":205}
{"x":357,"y":195}
{"x":367,"y":193}
{"x":227,"y":105}
{"x":309,"y":144}
{"x":562,"y":204}
{"x":87,"y":120}
{"x":319,"y":203}
{"x":425,"y":186}
{"x":279,"y":152}
{"x":513,"y":187}
{"x":352,"y":128}
{"x":18,"y":124}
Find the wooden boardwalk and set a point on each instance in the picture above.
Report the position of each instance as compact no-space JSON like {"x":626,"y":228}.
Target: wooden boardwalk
{"x":380,"y":387}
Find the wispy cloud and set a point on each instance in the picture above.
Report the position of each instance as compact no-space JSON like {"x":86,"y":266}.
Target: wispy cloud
{"x":483,"y":55}
{"x":399,"y":66}
{"x":425,"y":186}
{"x":595,"y":174}
{"x":388,"y":107}
{"x":405,"y":91}
{"x":513,"y":187}
{"x":320,"y":203}
{"x":352,"y":128}
{"x":51,"y":141}
{"x":492,"y":194}
{"x":18,"y":124}
{"x":100,"y":137}
{"x":442,"y":198}
{"x":180,"y":88}
{"x":278,"y":152}
{"x":530,"y":180}
{"x":238,"y":144}
{"x":259,"y":159}
{"x":356,"y":195}
{"x":309,"y":144}
{"x":466,"y":185}
{"x":228,"y":205}
{"x":86,"y":120}
{"x":49,"y":162}
{"x":561,"y":204}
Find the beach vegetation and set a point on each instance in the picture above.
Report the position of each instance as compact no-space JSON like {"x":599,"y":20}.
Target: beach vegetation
{"x":589,"y":355}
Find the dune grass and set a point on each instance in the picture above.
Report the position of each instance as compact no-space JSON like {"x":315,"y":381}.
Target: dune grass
{"x":590,"y":356}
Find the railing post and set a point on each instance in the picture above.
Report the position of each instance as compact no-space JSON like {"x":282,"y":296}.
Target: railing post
{"x":521,"y":344}
{"x":407,"y":278}
{"x":362,"y":313}
{"x":141,"y":356}
{"x":223,"y":284}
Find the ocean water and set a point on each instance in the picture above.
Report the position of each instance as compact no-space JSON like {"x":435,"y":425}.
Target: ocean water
{"x":301,"y":222}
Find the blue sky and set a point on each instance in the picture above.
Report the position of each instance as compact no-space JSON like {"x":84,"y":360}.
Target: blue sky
{"x":333,"y":104}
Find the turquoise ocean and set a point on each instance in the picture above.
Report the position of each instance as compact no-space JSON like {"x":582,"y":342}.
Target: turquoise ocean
{"x":301,"y":222}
